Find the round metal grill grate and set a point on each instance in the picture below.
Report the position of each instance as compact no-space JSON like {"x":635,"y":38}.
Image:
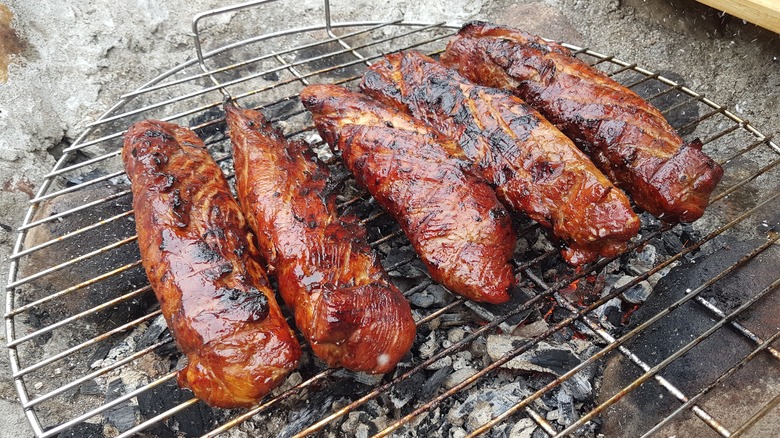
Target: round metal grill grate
{"x":75,"y":281}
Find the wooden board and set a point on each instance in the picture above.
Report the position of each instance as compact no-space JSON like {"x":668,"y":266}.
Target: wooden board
{"x":765,"y":13}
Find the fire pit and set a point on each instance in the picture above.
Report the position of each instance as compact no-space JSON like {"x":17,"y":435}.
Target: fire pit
{"x":676,"y":335}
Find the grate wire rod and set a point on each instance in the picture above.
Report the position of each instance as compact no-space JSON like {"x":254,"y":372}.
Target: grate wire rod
{"x":68,"y":212}
{"x":653,"y":372}
{"x":764,"y":346}
{"x":744,"y":125}
{"x":97,"y":373}
{"x":593,"y":306}
{"x":757,"y":416}
{"x":71,"y":262}
{"x":604,"y":351}
{"x":71,"y":234}
{"x":218,"y":86}
{"x":293,"y":391}
{"x":65,"y":353}
{"x":563,"y":283}
{"x":256,"y":59}
{"x":77,"y":316}
{"x":121,"y":399}
{"x":741,"y":329}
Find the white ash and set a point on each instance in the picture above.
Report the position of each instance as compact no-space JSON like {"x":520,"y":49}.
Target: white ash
{"x":524,"y":428}
{"x":486,"y":403}
{"x":642,"y":261}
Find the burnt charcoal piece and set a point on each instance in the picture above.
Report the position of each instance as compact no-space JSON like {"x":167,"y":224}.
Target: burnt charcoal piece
{"x":407,"y":390}
{"x":193,"y":421}
{"x":281,"y":110}
{"x":83,"y":430}
{"x":123,"y":417}
{"x":434,"y":382}
{"x":318,"y":404}
{"x":491,"y":312}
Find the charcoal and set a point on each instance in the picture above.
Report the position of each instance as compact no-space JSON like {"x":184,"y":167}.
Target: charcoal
{"x":643,"y":261}
{"x":457,"y":432}
{"x":397,"y":257}
{"x":90,"y":387}
{"x":443,"y":362}
{"x":155,"y":332}
{"x":638,"y":293}
{"x":123,"y":417}
{"x":315,"y":407}
{"x":357,"y":424}
{"x":492,"y":312}
{"x":458,"y":376}
{"x":462,"y":359}
{"x":193,"y":421}
{"x":318,"y":62}
{"x":423,"y":299}
{"x":281,"y":109}
{"x":84,"y":177}
{"x":531,"y":330}
{"x":642,"y":408}
{"x":567,"y":413}
{"x":544,"y":357}
{"x":610,"y":313}
{"x":479,"y":415}
{"x":213,"y":131}
{"x":579,"y":386}
{"x":435,"y":381}
{"x":407,"y":390}
{"x":684,"y":110}
{"x":83,"y":430}
{"x":456,"y":334}
{"x":358,"y":377}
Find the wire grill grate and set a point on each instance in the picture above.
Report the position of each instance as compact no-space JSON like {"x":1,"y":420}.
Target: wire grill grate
{"x":261,"y":72}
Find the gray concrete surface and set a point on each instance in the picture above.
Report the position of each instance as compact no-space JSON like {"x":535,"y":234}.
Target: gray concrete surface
{"x":75,"y":58}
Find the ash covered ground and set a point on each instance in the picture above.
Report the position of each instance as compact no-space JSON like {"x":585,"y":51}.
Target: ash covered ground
{"x":69,"y":62}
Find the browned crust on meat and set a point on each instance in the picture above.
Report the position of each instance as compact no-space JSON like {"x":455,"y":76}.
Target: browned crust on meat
{"x":344,"y":302}
{"x":627,"y":138}
{"x":202,"y":264}
{"x":454,"y":221}
{"x":535,"y":168}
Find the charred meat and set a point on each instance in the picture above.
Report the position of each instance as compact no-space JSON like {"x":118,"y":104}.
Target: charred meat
{"x":535,"y":168}
{"x":627,"y":138}
{"x":203,"y":265}
{"x":454,"y":221}
{"x":344,"y":302}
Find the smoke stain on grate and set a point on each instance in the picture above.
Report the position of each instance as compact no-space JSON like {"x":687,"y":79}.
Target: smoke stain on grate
{"x":10,"y":43}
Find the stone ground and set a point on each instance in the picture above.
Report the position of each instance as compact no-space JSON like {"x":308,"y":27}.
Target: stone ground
{"x":68,"y":61}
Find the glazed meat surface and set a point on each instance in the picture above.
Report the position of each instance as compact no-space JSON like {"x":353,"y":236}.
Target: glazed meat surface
{"x":454,"y":221}
{"x":536,"y":169}
{"x":202,"y":264}
{"x":344,"y":302}
{"x":626,"y":137}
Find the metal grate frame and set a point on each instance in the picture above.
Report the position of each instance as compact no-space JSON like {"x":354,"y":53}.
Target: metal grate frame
{"x":266,"y":72}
